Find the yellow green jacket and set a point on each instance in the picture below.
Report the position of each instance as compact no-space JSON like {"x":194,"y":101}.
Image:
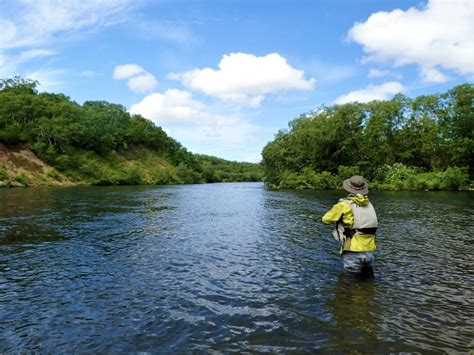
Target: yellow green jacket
{"x":360,"y":242}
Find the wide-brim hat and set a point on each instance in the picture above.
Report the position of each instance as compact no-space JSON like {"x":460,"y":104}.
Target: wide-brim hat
{"x":356,"y":185}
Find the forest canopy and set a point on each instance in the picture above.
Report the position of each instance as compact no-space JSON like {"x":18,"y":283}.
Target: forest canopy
{"x":424,"y":143}
{"x":101,"y":143}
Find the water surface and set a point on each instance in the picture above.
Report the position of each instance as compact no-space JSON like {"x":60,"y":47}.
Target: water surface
{"x":229,"y":267}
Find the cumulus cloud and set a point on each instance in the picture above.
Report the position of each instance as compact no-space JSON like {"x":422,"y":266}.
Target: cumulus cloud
{"x":372,"y":92}
{"x":436,"y":37}
{"x":245,"y":78}
{"x":199,"y":129}
{"x":174,"y":106}
{"x":138,"y":79}
{"x":126,"y":71}
{"x":433,"y":75}
{"x":239,"y":141}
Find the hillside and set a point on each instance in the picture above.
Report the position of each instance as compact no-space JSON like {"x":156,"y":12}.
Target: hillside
{"x":19,"y":166}
{"x":47,"y":139}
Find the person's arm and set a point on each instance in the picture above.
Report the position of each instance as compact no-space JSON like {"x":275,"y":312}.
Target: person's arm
{"x":336,"y":212}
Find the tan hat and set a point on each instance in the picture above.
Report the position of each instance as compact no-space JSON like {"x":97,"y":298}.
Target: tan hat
{"x":356,"y":185}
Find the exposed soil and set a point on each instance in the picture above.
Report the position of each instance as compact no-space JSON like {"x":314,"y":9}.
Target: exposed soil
{"x":19,"y":166}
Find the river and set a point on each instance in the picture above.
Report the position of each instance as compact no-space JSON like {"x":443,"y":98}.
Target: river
{"x":229,"y":268}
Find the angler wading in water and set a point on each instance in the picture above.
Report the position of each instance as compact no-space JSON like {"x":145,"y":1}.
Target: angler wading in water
{"x":356,"y":225}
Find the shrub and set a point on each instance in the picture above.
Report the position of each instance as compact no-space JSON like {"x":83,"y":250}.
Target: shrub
{"x":133,"y":176}
{"x":61,"y":162}
{"x":187,"y":175}
{"x":3,"y":173}
{"x":164,"y":177}
{"x":21,"y":178}
{"x":325,"y":180}
{"x":345,"y":172}
{"x":454,"y":178}
{"x":291,"y":180}
{"x":308,"y":179}
{"x":54,"y":174}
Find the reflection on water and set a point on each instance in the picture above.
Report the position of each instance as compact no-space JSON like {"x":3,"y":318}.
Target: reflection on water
{"x":355,"y":311}
{"x":228,"y":267}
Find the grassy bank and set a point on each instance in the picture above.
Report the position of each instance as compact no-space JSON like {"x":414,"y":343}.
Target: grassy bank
{"x":425,"y":143}
{"x":394,"y":177}
{"x":48,"y":139}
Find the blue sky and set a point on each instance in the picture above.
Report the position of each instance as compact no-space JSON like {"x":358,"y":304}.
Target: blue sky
{"x":222,"y":77}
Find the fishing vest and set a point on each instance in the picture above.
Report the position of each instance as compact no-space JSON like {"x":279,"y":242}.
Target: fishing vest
{"x":365,"y":219}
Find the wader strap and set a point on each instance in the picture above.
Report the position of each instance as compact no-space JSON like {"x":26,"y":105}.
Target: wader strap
{"x":370,"y":231}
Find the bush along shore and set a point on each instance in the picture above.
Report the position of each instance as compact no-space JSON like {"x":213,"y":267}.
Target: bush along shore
{"x":48,"y":140}
{"x":426,"y":143}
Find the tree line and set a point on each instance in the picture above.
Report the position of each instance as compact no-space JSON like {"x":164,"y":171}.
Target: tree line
{"x":422,"y":143}
{"x":101,"y":143}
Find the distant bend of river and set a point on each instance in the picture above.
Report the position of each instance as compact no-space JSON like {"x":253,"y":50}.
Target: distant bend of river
{"x":229,"y":267}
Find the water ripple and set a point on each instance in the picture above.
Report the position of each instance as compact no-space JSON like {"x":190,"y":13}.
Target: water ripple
{"x":228,"y":268}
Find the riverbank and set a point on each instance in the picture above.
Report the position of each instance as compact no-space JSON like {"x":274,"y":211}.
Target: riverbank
{"x":49,"y":140}
{"x":422,"y":143}
{"x":20,"y":167}
{"x":137,"y":165}
{"x":396,"y":177}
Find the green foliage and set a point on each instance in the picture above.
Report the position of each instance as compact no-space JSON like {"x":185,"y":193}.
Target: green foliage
{"x":21,"y":179}
{"x":3,"y":173}
{"x":401,"y":177}
{"x":454,"y":178}
{"x":345,"y":172}
{"x":7,"y":184}
{"x":101,"y":143}
{"x":214,"y":169}
{"x":308,"y":179}
{"x":397,"y":144}
{"x":54,"y":174}
{"x":133,"y":176}
{"x":187,"y":175}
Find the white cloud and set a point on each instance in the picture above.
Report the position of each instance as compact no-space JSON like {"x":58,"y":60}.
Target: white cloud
{"x":245,"y":78}
{"x":176,"y":106}
{"x":239,"y":141}
{"x":199,"y":129}
{"x":126,"y":71}
{"x":372,"y":92}
{"x":433,"y":75}
{"x":437,"y":36}
{"x":142,"y":83}
{"x":138,"y":79}
{"x":377,"y":73}
{"x":8,"y":32}
{"x":49,"y":80}
{"x":172,"y":106}
{"x":35,"y":23}
{"x":9,"y":64}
